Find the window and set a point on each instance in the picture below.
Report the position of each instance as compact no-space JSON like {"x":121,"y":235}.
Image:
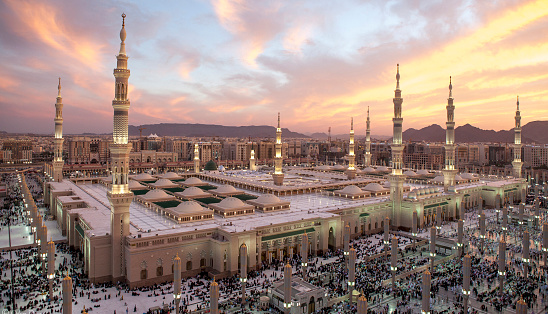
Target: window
{"x":143,"y":274}
{"x":159,"y":271}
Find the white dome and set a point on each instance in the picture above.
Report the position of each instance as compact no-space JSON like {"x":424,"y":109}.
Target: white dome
{"x":433,"y":190}
{"x":386,"y":184}
{"x":231,"y":203}
{"x":135,"y":184}
{"x":163,"y":182}
{"x":382,"y":169}
{"x":338,"y":167}
{"x":155,"y":194}
{"x":221,"y":168}
{"x":438,"y":179}
{"x":170,"y":175}
{"x":225,"y":189}
{"x":423,"y":172}
{"x":193,"y":180}
{"x":189,"y":207}
{"x":467,"y":176}
{"x":267,"y":199}
{"x":143,"y":176}
{"x":410,"y":173}
{"x":193,"y":191}
{"x":351,"y":189}
{"x":369,"y":169}
{"x":373,"y":187}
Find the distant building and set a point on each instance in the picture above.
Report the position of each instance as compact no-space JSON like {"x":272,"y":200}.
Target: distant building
{"x":17,"y":151}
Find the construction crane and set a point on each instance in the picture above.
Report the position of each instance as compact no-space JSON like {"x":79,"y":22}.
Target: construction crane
{"x":141,"y":132}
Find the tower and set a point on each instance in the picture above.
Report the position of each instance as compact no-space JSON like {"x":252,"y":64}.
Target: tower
{"x":517,"y":163}
{"x":367,"y":154}
{"x":278,"y":175}
{"x":196,"y":159}
{"x":351,"y":171}
{"x":397,"y":178}
{"x":120,"y":196}
{"x":449,"y":171}
{"x":252,"y":165}
{"x":58,"y":140}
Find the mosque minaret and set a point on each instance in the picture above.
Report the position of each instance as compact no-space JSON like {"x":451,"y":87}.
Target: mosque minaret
{"x":278,"y":175}
{"x":517,"y":163}
{"x":351,"y":171}
{"x":449,"y":171}
{"x":58,"y":140}
{"x":120,"y":196}
{"x":196,"y":159}
{"x":397,"y":178}
{"x":367,"y":154}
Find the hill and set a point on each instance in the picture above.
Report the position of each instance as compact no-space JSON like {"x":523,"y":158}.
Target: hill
{"x":211,"y":130}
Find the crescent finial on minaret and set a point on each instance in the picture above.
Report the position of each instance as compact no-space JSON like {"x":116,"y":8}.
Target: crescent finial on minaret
{"x":450,"y":88}
{"x":367,"y":111}
{"x":351,"y":123}
{"x":398,"y":77}
{"x":123,"y":35}
{"x":278,"y":120}
{"x":517,"y":103}
{"x":59,"y":88}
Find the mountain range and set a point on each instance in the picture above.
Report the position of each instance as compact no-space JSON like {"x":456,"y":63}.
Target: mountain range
{"x":532,"y":132}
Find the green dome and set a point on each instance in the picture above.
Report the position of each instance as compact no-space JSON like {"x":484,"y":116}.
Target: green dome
{"x":210,"y":166}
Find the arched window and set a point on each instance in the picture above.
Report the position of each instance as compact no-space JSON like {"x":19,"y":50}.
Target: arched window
{"x":143,"y":274}
{"x":189,"y":265}
{"x":159,"y":271}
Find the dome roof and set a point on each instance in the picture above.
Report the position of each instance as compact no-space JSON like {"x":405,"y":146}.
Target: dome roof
{"x":438,"y":179}
{"x":193,"y":191}
{"x":163,"y":182}
{"x":369,"y":169}
{"x":193,"y":180}
{"x":135,"y":184}
{"x":410,"y":173}
{"x":351,"y":189}
{"x":225,"y":189}
{"x":156,"y":194}
{"x":323,"y":168}
{"x":170,"y":175}
{"x":433,"y":190}
{"x":221,"y":168}
{"x":231,"y":203}
{"x":467,"y":176}
{"x":386,"y":184}
{"x":143,"y":176}
{"x":419,"y":191}
{"x":412,"y":195}
{"x":373,"y":187}
{"x":210,"y":166}
{"x":267,"y":199}
{"x":458,"y":178}
{"x":338,"y":167}
{"x":382,"y":169}
{"x":189,"y":207}
{"x":423,"y":172}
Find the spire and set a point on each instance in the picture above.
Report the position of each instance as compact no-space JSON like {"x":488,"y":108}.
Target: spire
{"x":398,"y":78}
{"x":450,"y":88}
{"x":352,"y":123}
{"x":278,"y":120}
{"x":368,"y":112}
{"x":123,"y":35}
{"x":59,"y":88}
{"x":517,"y":104}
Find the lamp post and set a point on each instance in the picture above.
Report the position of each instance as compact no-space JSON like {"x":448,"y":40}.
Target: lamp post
{"x":51,"y":267}
{"x":466,"y":282}
{"x":177,"y":282}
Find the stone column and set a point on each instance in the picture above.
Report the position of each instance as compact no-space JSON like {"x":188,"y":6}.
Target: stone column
{"x":414,"y":227}
{"x":502,"y":264}
{"x":346,"y":244}
{"x":386,"y":234}
{"x":432,"y":247}
{"x":362,"y":305}
{"x":438,"y":219}
{"x":351,"y":272}
{"x":504,"y":222}
{"x":177,"y":282}
{"x":214,"y":297}
{"x":426,"y":277}
{"x":460,"y":236}
{"x":526,"y":255}
{"x":394,"y":261}
{"x":466,"y":281}
{"x":51,"y":267}
{"x":304,"y":255}
{"x":287,"y":289}
{"x":462,"y":210}
{"x":243,"y":269}
{"x":482,"y":230}
{"x":43,"y":247}
{"x":521,"y":207}
{"x":67,"y":295}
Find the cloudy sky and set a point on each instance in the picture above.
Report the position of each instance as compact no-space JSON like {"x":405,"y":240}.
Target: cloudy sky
{"x":239,"y":62}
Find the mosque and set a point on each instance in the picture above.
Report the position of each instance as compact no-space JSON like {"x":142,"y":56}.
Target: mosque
{"x":131,"y":228}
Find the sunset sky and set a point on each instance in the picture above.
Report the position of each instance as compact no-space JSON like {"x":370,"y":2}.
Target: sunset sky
{"x":238,"y":62}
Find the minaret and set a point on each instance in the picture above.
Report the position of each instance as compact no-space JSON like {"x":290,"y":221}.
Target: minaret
{"x":517,"y":144}
{"x":196,"y":159}
{"x":397,"y":178}
{"x":58,"y":140}
{"x":351,"y":171}
{"x":252,"y":164}
{"x":120,"y":196}
{"x":449,"y":171}
{"x":278,"y":175}
{"x":367,"y":155}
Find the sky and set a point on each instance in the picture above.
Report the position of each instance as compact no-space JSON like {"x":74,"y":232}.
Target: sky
{"x":239,"y":62}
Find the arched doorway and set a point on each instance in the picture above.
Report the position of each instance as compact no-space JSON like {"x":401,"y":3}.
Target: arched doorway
{"x":311,"y":305}
{"x":331,"y":240}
